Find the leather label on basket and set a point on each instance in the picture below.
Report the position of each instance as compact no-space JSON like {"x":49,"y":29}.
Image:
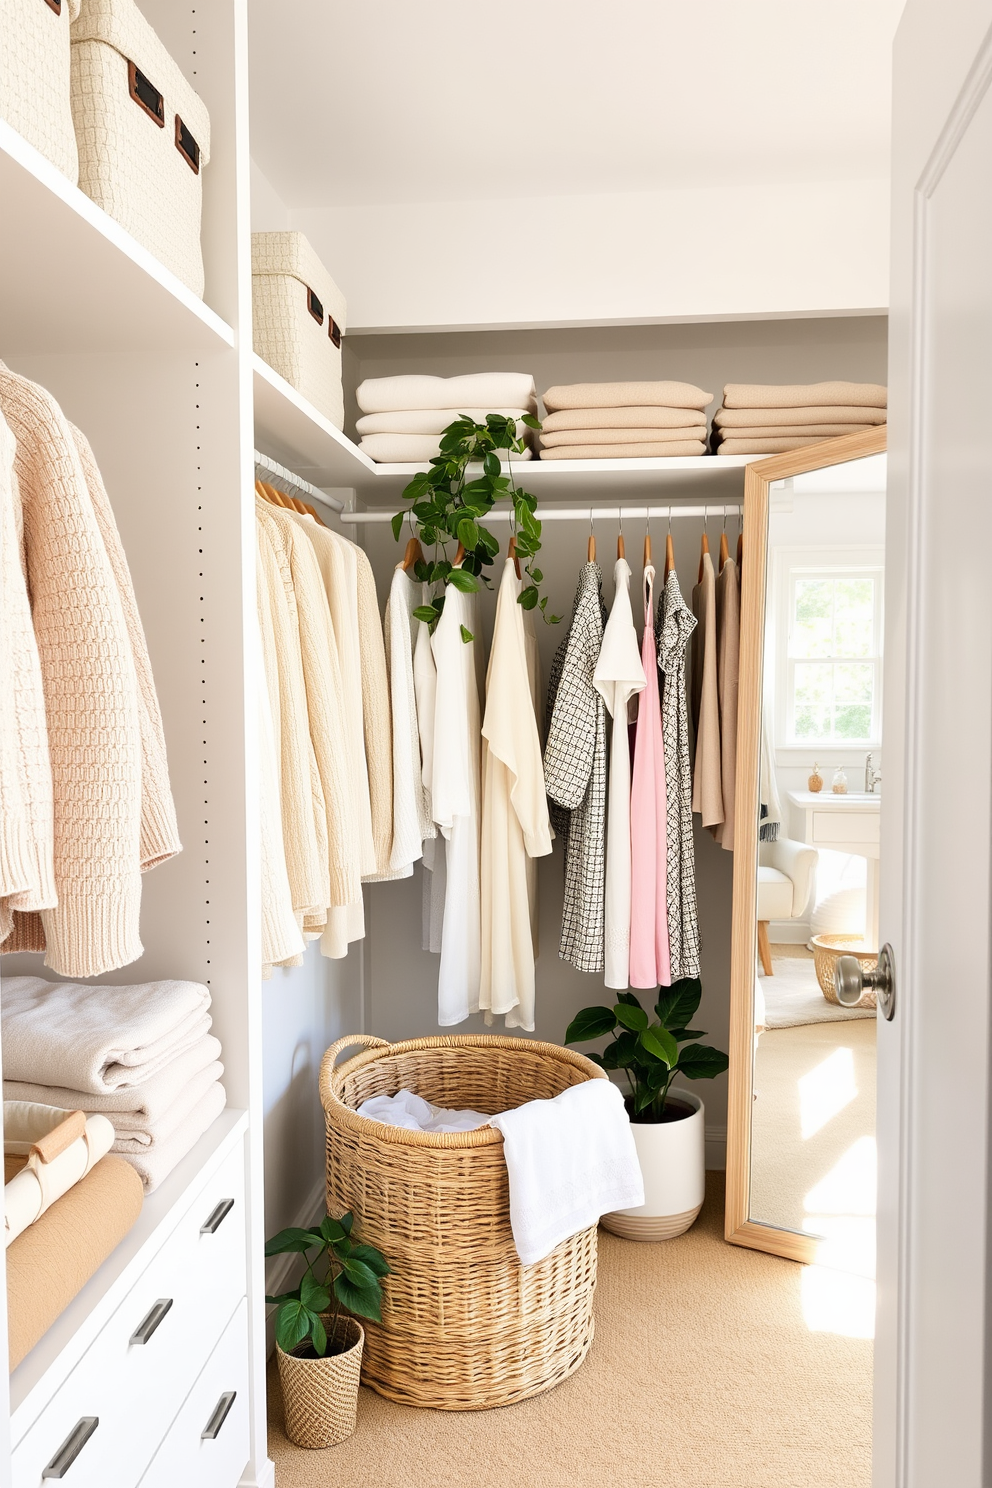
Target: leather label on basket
{"x":315,"y":307}
{"x":187,"y":146}
{"x":145,"y":95}
{"x":55,"y":5}
{"x":334,"y":330}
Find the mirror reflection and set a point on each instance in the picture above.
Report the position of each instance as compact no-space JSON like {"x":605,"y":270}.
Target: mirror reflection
{"x":813,"y":1115}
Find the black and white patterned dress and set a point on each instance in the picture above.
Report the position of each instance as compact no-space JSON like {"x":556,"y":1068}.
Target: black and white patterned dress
{"x":673,"y":629}
{"x":575,"y":774}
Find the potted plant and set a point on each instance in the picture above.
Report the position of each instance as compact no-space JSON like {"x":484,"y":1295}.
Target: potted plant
{"x":319,"y":1346}
{"x":668,"y":1125}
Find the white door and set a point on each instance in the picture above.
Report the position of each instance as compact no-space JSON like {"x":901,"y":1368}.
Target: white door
{"x":933,"y":1058}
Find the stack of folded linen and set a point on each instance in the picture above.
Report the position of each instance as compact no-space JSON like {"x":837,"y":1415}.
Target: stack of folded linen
{"x":624,"y":420}
{"x":765,"y":419}
{"x":404,"y":417}
{"x":142,"y":1056}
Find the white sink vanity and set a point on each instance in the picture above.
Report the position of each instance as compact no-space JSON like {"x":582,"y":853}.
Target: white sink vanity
{"x":847,"y":823}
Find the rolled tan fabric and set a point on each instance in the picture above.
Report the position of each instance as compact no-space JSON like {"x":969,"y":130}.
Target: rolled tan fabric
{"x":761,"y":446}
{"x":624,"y":418}
{"x":677,"y":449}
{"x":54,"y":1259}
{"x":839,"y":413}
{"x":804,"y":394}
{"x":626,"y":395}
{"x":563,"y":437}
{"x":792,"y":431}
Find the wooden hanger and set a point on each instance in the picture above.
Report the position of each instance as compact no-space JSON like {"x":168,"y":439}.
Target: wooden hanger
{"x":669,"y":556}
{"x":703,"y":550}
{"x":511,"y":552}
{"x":459,"y":556}
{"x":647,"y":550}
{"x":591,"y":548}
{"x":724,"y":550}
{"x":414,"y":554}
{"x":621,"y":550}
{"x":740,"y":548}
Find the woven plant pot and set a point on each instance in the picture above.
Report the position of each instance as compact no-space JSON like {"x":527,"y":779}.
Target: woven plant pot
{"x":320,"y":1396}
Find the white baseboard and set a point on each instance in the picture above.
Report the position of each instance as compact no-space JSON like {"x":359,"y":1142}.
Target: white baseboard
{"x":282,"y":1271}
{"x":264,"y":1476}
{"x":789,"y":932}
{"x":716,"y":1148}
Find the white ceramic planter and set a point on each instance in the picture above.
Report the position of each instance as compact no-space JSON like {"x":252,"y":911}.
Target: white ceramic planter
{"x":673,"y":1164}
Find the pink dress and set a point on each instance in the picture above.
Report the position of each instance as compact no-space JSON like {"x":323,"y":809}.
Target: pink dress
{"x":650,"y":962}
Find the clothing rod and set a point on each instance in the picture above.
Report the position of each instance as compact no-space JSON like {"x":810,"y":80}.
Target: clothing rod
{"x":299,"y":487}
{"x":580,"y":513}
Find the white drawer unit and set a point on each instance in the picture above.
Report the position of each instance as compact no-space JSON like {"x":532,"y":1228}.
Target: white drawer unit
{"x":849,"y":829}
{"x":208,"y":1444}
{"x":136,"y":1374}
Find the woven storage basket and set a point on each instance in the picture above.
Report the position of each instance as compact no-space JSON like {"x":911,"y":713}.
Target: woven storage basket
{"x":320,"y":1396}
{"x":464,"y":1325}
{"x":826,"y":949}
{"x":298,"y":316}
{"x":34,"y":76}
{"x":143,"y":134}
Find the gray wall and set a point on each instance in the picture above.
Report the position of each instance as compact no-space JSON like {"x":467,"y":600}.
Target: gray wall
{"x":402,"y":979}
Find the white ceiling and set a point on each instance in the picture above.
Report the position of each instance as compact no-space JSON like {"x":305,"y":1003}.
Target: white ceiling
{"x":384,"y":101}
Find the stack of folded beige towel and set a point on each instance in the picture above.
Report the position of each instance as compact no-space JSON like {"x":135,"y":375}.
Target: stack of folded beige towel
{"x":142,"y":1056}
{"x":765,"y":419}
{"x":404,"y":417}
{"x":624,"y":421}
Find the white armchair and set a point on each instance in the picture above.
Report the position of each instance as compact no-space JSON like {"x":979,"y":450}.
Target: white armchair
{"x":786,"y":876}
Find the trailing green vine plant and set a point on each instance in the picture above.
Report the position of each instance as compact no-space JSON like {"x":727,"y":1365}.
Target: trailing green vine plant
{"x":448,"y":508}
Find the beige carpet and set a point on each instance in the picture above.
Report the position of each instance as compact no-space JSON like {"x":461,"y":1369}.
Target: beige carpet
{"x":703,"y":1374}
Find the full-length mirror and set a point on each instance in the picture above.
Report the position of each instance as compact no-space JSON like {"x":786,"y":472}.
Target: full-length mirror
{"x":801,"y":1137}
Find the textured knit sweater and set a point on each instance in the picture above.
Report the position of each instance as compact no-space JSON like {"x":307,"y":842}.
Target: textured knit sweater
{"x":91,"y":695}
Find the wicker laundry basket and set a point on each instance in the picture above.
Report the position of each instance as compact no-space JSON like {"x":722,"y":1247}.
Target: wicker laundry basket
{"x":464,"y":1325}
{"x":34,"y":76}
{"x":143,"y":134}
{"x":298,"y":319}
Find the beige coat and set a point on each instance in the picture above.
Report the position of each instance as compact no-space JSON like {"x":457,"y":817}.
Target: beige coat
{"x":707,"y":784}
{"x":728,"y":637}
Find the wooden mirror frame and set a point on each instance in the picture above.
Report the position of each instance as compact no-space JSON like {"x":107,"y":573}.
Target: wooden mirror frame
{"x":739,"y":1228}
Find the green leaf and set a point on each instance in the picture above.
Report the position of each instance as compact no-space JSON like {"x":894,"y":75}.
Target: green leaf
{"x":527,"y":598}
{"x":346,"y":1221}
{"x":313,"y":1295}
{"x":677,"y":1003}
{"x":284,"y":1297}
{"x":466,"y":582}
{"x":700,"y":1062}
{"x":364,"y":1301}
{"x":591,"y":1023}
{"x":293,"y":1323}
{"x":489,"y":541}
{"x":631,"y":1017}
{"x":659,"y":1042}
{"x":630,"y":998}
{"x":491,"y":464}
{"x":681,"y":1034}
{"x":537,"y":576}
{"x":657,"y":1075}
{"x":318,"y":1337}
{"x":625,"y":1050}
{"x":467,"y":635}
{"x":331,"y":1230}
{"x":468,"y":534}
{"x":291,"y":1240}
{"x":357,"y":1272}
{"x":397,"y":525}
{"x":531,"y":421}
{"x":643,"y":1097}
{"x":374,"y":1259}
{"x":427,"y":613}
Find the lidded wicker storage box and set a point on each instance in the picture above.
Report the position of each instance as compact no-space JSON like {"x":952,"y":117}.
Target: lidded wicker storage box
{"x":299,"y":318}
{"x":34,"y":76}
{"x":143,"y":134}
{"x":464,"y":1325}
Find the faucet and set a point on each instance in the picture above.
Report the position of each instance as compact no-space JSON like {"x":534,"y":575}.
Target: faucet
{"x":873,"y":777}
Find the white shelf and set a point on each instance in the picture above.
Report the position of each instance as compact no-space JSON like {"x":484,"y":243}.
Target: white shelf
{"x":291,"y":430}
{"x":59,"y":1350}
{"x":71,"y":278}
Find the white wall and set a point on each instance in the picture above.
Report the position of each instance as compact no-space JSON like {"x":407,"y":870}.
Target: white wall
{"x":808,"y":248}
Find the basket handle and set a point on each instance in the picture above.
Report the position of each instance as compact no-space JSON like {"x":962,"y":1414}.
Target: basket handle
{"x":366,"y":1040}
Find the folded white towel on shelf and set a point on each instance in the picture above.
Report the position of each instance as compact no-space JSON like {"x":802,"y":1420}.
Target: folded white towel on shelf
{"x":97,"y":1039}
{"x":648,"y":417}
{"x":134,"y":1132}
{"x":570,"y":1160}
{"x":414,"y":1113}
{"x":430,"y":420}
{"x":626,"y":395}
{"x":674,"y":449}
{"x":566,"y":438}
{"x":152,"y":1164}
{"x":474,"y":390}
{"x":408,"y":449}
{"x":130,"y":1107}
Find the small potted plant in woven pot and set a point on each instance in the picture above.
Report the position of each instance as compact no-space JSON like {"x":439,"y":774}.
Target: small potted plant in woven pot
{"x":668,"y":1124}
{"x":318,"y":1341}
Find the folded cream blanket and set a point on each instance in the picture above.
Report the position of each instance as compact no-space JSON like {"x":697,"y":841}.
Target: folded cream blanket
{"x":560,"y":438}
{"x":153,"y":1164}
{"x":657,"y":417}
{"x":834,"y":413}
{"x":626,"y":395}
{"x":407,"y":449}
{"x":761,"y":446}
{"x":130,"y":1107}
{"x":133,"y":1133}
{"x":97,"y":1039}
{"x":678,"y":449}
{"x":474,"y":390}
{"x":430,"y":420}
{"x":804,"y":395}
{"x":791,"y":431}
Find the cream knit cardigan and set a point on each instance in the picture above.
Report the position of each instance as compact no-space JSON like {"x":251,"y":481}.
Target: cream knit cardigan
{"x":91,"y":697}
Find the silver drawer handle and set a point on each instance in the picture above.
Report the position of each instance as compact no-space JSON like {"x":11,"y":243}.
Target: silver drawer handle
{"x":212,"y":1429}
{"x":147,"y":1326}
{"x":212,"y":1224}
{"x":71,"y":1447}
